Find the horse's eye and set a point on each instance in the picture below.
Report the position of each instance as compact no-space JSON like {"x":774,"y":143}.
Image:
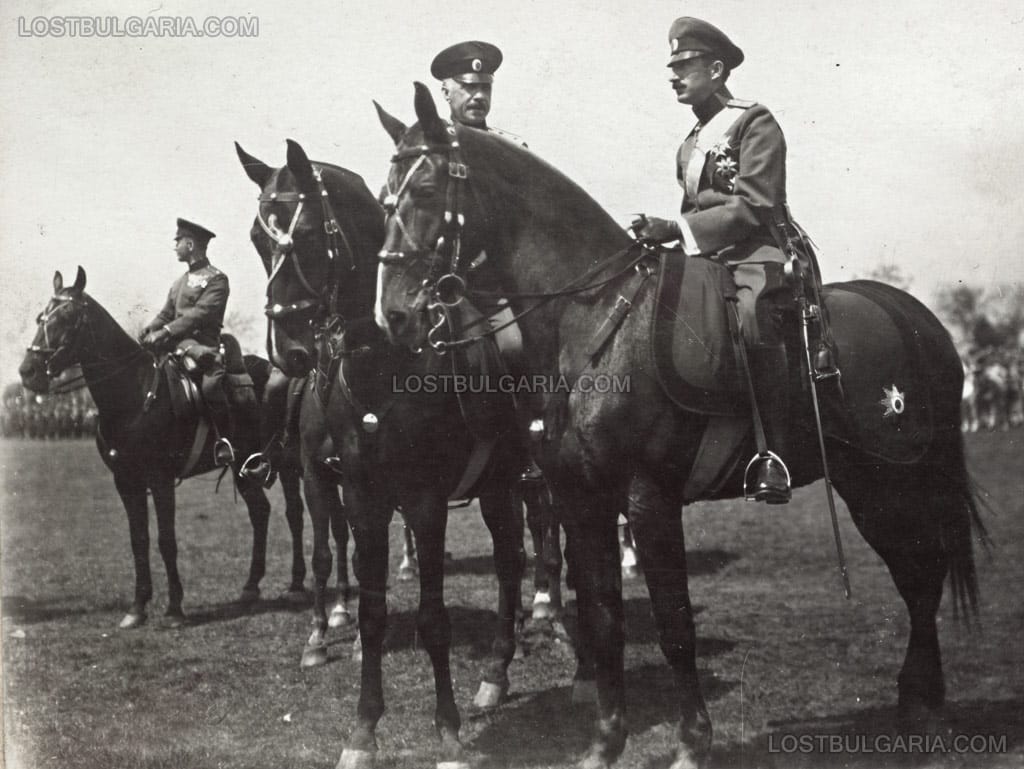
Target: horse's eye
{"x":424,"y":192}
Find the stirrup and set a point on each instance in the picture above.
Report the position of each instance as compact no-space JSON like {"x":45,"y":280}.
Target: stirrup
{"x":773,"y":495}
{"x":257,"y":468}
{"x":223,"y":452}
{"x":333,"y":464}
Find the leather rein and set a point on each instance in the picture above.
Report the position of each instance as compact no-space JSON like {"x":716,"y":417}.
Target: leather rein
{"x":446,"y":278}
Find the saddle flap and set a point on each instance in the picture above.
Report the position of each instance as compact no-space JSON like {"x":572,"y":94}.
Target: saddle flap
{"x":693,"y":350}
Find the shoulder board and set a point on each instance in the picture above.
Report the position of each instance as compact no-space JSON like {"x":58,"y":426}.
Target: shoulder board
{"x":740,"y":103}
{"x":507,"y":135}
{"x":213,"y":270}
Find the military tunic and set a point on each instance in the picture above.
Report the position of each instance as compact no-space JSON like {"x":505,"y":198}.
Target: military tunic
{"x":743,"y":178}
{"x":195,"y":305}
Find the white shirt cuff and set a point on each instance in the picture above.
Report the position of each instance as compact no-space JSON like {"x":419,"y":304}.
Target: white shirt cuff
{"x":690,"y":247}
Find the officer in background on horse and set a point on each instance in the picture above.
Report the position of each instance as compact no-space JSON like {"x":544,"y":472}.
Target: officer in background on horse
{"x":190,"y":324}
{"x":732,"y":168}
{"x":466,"y":71}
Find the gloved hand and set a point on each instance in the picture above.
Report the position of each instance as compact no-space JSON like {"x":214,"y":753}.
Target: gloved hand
{"x":156,"y":337}
{"x":656,"y":230}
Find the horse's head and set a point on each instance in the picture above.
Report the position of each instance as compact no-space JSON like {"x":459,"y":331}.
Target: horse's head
{"x":58,"y":339}
{"x":312,"y":258}
{"x":426,"y":256}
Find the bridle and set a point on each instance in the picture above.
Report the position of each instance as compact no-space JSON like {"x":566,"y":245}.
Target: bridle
{"x":47,"y":351}
{"x":284,"y":247}
{"x":71,"y":339}
{"x":445,"y":282}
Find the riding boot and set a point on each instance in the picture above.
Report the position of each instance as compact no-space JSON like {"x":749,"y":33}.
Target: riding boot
{"x":769,"y":372}
{"x":219,"y":408}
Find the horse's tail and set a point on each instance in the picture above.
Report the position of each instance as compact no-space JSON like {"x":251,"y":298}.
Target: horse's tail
{"x":960,"y":528}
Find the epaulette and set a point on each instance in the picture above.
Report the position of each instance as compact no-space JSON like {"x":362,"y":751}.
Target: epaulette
{"x":740,"y":103}
{"x":506,"y":135}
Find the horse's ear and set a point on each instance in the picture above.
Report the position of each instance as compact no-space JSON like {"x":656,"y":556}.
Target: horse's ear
{"x":79,"y":285}
{"x":395,"y":127}
{"x":299,"y":165}
{"x":255,"y":169}
{"x":426,"y":111}
{"x":58,"y":282}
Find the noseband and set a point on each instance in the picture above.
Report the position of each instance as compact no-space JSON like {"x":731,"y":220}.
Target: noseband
{"x":284,"y":246}
{"x":47,"y":352}
{"x":446,"y":250}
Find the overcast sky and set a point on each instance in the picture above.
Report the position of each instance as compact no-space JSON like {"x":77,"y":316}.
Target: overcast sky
{"x":905,"y":126}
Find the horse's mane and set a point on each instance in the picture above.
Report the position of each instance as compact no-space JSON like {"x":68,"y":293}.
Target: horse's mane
{"x":537,"y":188}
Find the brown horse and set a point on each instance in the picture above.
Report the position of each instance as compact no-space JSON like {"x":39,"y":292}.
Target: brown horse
{"x":898,"y":463}
{"x":318,"y":230}
{"x":141,"y":438}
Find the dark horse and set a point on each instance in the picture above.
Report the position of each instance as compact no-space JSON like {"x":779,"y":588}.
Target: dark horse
{"x":318,"y":232}
{"x":633,"y":446}
{"x":141,"y":439}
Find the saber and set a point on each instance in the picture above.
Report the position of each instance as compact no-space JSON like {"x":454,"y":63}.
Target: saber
{"x":809,"y":312}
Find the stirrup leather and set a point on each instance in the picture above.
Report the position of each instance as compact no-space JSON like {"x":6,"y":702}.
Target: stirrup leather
{"x":765,"y":495}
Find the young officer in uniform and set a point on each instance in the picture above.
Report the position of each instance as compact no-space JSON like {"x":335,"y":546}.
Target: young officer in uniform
{"x":193,"y":315}
{"x":732,"y":168}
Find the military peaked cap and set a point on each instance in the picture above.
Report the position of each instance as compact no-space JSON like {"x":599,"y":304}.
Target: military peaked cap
{"x":470,"y":62}
{"x":187,"y":229}
{"x":692,"y":37}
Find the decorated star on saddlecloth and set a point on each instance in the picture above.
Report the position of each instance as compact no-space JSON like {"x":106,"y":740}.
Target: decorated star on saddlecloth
{"x":894,"y":401}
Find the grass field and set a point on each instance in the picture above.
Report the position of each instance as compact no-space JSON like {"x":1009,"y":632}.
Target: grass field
{"x":781,"y":653}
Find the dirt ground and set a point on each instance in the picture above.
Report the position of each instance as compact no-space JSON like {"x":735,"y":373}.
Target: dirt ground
{"x":794,"y":675}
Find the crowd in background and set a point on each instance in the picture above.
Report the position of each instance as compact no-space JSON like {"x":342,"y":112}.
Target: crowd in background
{"x":66,"y":415}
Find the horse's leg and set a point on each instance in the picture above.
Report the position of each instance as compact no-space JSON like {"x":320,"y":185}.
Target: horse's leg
{"x":321,"y":490}
{"x":132,"y":490}
{"x":340,"y":616}
{"x":167,"y":542}
{"x":409,"y":567}
{"x":259,"y":516}
{"x":428,"y":517}
{"x":504,"y":520}
{"x":900,"y":511}
{"x":293,"y":513}
{"x":537,"y":524}
{"x":591,"y":523}
{"x":370,"y":519}
{"x":656,"y":522}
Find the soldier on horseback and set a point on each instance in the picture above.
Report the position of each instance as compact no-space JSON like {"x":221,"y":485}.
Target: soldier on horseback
{"x":466,"y":71}
{"x":732,"y":168}
{"x":190,"y":324}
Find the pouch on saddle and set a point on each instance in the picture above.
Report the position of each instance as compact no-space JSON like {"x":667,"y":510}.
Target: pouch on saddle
{"x":191,"y":361}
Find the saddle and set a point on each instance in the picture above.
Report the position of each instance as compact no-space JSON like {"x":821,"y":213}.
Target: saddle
{"x":695,"y":356}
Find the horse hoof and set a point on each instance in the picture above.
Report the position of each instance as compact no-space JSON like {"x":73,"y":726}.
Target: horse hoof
{"x":406,"y":574}
{"x":584,"y":692}
{"x":340,"y":617}
{"x":542,"y":607}
{"x":313,"y":657}
{"x":249,"y":596}
{"x":174,"y":619}
{"x":490,"y":695}
{"x":357,"y":759}
{"x":132,"y":620}
{"x":593,"y":760}
{"x":296,"y":595}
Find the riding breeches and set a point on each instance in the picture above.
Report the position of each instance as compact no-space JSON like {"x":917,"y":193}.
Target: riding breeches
{"x":761,"y":290}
